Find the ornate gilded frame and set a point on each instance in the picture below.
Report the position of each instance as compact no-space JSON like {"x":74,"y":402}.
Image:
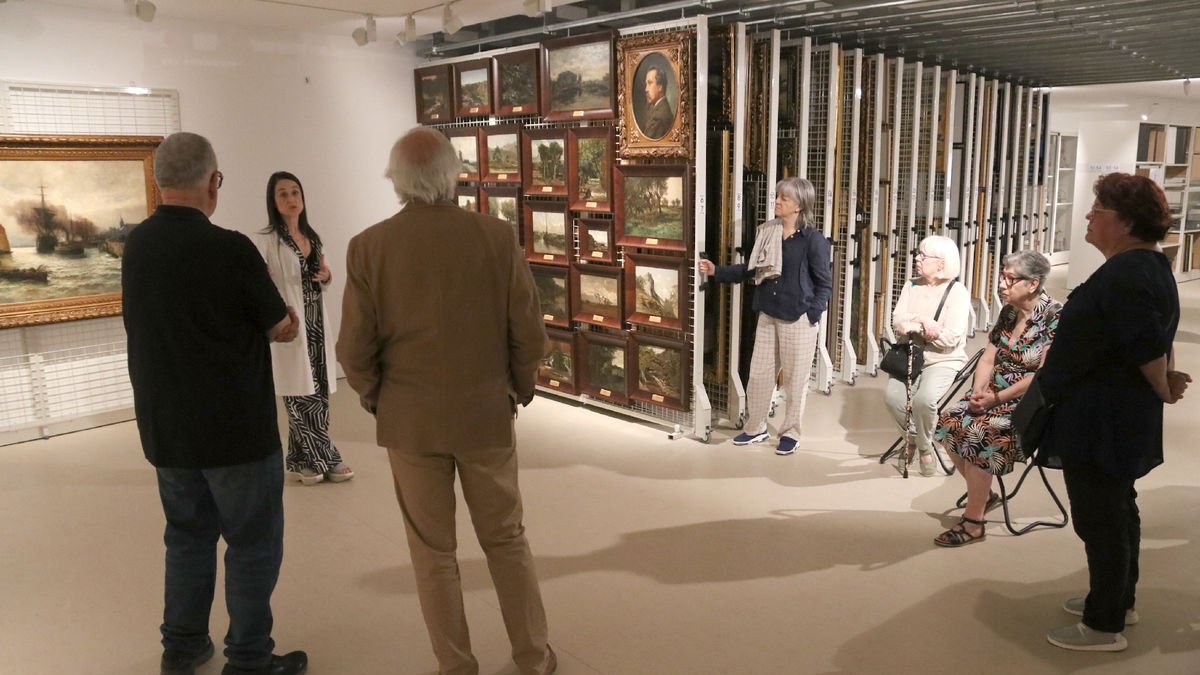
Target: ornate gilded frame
{"x":635,"y":57}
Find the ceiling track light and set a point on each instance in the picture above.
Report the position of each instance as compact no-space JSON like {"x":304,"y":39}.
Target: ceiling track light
{"x":451,"y":24}
{"x":534,"y":8}
{"x":365,"y":33}
{"x":142,"y":9}
{"x":410,"y":30}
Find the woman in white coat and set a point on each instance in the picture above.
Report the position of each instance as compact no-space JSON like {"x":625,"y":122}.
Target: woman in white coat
{"x":294,"y":257}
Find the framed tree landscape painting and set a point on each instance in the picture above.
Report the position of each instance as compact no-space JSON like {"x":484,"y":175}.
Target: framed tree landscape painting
{"x":589,"y":168}
{"x":602,"y":370}
{"x":503,"y":203}
{"x":434,"y":95}
{"x":577,"y":78}
{"x":655,"y":290}
{"x":473,"y":84}
{"x":468,"y":197}
{"x":557,"y":368}
{"x":517,"y":76}
{"x":466,"y":146}
{"x":652,"y":207}
{"x":554,"y":294}
{"x":500,"y":161}
{"x":67,"y":204}
{"x":596,"y":241}
{"x":660,"y":371}
{"x":547,"y":233}
{"x":596,"y":295}
{"x":544,"y":162}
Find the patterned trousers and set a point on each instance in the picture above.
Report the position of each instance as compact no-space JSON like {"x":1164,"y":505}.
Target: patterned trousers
{"x":787,"y":348}
{"x":309,"y":445}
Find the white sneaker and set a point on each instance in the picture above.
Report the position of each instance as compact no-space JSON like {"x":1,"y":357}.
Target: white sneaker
{"x":1075,"y":606}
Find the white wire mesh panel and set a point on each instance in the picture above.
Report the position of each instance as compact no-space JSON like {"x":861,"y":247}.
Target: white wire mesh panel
{"x":860,"y":329}
{"x":55,"y":109}
{"x":843,"y":160}
{"x":905,"y":243}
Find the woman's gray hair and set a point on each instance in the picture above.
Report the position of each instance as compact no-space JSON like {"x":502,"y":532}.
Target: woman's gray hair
{"x":1029,"y":265}
{"x":423,"y":166}
{"x":937,"y":246}
{"x":184,"y":161}
{"x":800,"y":191}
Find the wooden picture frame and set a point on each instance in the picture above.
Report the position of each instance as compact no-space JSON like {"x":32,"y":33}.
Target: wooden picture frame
{"x":602,"y":366}
{"x":554,"y":294}
{"x":655,"y":290}
{"x":597,"y":242}
{"x":544,"y":162}
{"x":660,"y":371}
{"x":518,"y":79}
{"x":547,"y":228}
{"x":590,"y":168}
{"x":653,"y":206}
{"x":503,"y":203}
{"x":466,"y":144}
{"x":657,"y":65}
{"x":474,"y":88}
{"x":66,"y":205}
{"x":596,"y":295}
{"x":557,"y":369}
{"x":467,"y":197}
{"x":435,"y":94}
{"x":577,"y":78}
{"x":500,"y":154}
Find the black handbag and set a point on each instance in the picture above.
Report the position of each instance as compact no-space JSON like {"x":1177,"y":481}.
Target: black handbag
{"x":1030,"y":416}
{"x":895,"y":355}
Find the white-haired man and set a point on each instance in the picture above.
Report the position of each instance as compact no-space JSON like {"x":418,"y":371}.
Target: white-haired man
{"x":200,"y":309}
{"x":441,"y":338}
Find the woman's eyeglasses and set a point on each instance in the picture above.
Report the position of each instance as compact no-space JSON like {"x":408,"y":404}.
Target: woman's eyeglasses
{"x":925,"y":256}
{"x":1010,"y":279}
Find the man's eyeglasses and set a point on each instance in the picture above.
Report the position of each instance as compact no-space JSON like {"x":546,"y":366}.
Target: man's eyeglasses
{"x":1010,"y":279}
{"x":220,"y":179}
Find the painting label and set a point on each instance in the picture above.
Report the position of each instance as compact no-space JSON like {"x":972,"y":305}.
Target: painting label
{"x":518,"y":108}
{"x":547,"y":188}
{"x":590,"y":205}
{"x":578,"y":113}
{"x":597,"y":254}
{"x":656,"y":319}
{"x":651,"y":241}
{"x":502,"y":176}
{"x":555,"y":383}
{"x":597,"y":317}
{"x":657,"y":398}
{"x":605,"y":392}
{"x":547,"y":317}
{"x":547,"y":256}
{"x":474,"y":110}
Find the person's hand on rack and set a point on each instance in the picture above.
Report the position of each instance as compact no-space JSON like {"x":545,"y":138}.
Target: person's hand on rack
{"x":706,"y":267}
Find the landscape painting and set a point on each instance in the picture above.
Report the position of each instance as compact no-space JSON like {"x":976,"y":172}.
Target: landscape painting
{"x":661,"y":372}
{"x":517,"y":83}
{"x":66,"y":207}
{"x":545,"y":162}
{"x":557,"y":368}
{"x":501,"y":161}
{"x":553,"y":295}
{"x":433,"y":95}
{"x":502,"y":203}
{"x":596,"y":240}
{"x":578,"y":78}
{"x":468,"y":198}
{"x":598,"y":295}
{"x":654,"y":290}
{"x":590,"y":153}
{"x":466,"y":145}
{"x":474,"y":87}
{"x":602,"y":366}
{"x":548,"y":233}
{"x":652,"y":206}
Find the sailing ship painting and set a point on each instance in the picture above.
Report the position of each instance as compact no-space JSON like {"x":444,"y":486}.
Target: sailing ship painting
{"x":63,"y":225}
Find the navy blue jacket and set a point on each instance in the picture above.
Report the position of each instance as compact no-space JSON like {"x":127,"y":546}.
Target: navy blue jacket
{"x":803,"y":288}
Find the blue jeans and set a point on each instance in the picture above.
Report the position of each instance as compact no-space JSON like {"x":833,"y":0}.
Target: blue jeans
{"x":243,"y":504}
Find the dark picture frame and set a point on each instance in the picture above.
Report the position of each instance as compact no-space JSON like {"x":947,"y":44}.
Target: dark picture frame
{"x":500,"y":154}
{"x":544,"y":162}
{"x":557,"y":369}
{"x":518,"y":83}
{"x":660,"y":371}
{"x":597,"y":241}
{"x":602,"y":366}
{"x":653,"y":206}
{"x":590,"y":168}
{"x":655,"y":290}
{"x":503,"y":203}
{"x":554,"y":294}
{"x":474,"y":88}
{"x":466,"y":141}
{"x":577,"y":78}
{"x":66,"y":206}
{"x":596,"y":295}
{"x":467,"y":192}
{"x":662,"y":127}
{"x":547,"y":240}
{"x":435,"y":94}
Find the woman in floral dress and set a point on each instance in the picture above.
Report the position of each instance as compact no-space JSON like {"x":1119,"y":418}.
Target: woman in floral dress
{"x":978,"y":431}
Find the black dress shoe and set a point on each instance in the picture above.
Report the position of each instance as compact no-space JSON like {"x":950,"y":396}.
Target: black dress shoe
{"x":175,"y":662}
{"x":294,"y":663}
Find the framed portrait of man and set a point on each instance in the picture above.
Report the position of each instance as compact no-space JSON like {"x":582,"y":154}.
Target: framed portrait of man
{"x":655,"y":95}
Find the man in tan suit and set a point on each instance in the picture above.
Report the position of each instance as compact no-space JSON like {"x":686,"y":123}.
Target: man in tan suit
{"x":441,"y":338}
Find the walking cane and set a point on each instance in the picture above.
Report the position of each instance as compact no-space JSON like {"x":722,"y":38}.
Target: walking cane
{"x":906,"y":455}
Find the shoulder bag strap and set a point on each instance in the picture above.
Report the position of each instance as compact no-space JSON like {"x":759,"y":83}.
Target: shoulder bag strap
{"x":944,"y":296}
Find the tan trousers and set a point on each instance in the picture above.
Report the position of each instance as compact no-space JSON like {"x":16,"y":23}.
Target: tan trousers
{"x":425,"y":490}
{"x":786,"y":348}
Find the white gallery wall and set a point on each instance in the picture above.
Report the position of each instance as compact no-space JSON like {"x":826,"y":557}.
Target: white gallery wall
{"x":316,"y":105}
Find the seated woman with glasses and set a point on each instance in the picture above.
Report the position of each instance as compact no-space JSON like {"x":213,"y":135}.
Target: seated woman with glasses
{"x":942,"y":333}
{"x":977,"y":431}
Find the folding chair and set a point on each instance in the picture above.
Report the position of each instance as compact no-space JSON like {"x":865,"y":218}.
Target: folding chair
{"x":1005,"y":496}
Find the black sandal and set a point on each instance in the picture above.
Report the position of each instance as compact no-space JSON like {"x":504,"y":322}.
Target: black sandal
{"x":958,"y":535}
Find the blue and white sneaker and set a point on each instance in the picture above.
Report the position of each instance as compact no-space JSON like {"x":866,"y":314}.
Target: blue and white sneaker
{"x":787,"y":446}
{"x":746,"y":439}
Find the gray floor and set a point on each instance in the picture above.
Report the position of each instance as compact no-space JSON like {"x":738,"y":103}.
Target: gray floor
{"x":657,"y":556}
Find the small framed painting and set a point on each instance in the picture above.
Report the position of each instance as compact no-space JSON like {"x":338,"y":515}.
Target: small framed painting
{"x":473,"y":84}
{"x":602,"y":366}
{"x":433,"y":95}
{"x":544,"y":162}
{"x":468,"y":197}
{"x":652,"y":207}
{"x":554,"y":294}
{"x":557,"y":369}
{"x":466,"y":145}
{"x":660,"y":371}
{"x":547,"y":233}
{"x":655,"y":287}
{"x":517,"y":79}
{"x":500,"y":161}
{"x":596,"y":295}
{"x":503,"y":203}
{"x":577,"y":78}
{"x":596,"y":240}
{"x":589,"y":168}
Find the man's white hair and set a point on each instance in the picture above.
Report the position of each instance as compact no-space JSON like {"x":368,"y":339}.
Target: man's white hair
{"x":423,"y":166}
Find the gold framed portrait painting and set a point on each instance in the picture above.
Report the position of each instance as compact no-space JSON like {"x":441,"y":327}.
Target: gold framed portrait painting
{"x":654,"y":98}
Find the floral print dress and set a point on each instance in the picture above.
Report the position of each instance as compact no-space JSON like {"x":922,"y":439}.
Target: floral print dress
{"x":988,"y":439}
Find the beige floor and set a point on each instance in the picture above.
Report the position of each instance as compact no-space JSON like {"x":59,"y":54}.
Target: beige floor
{"x":657,"y":556}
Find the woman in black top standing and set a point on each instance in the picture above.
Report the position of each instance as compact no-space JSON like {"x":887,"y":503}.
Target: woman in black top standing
{"x":790,"y":265}
{"x":1108,"y":375}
